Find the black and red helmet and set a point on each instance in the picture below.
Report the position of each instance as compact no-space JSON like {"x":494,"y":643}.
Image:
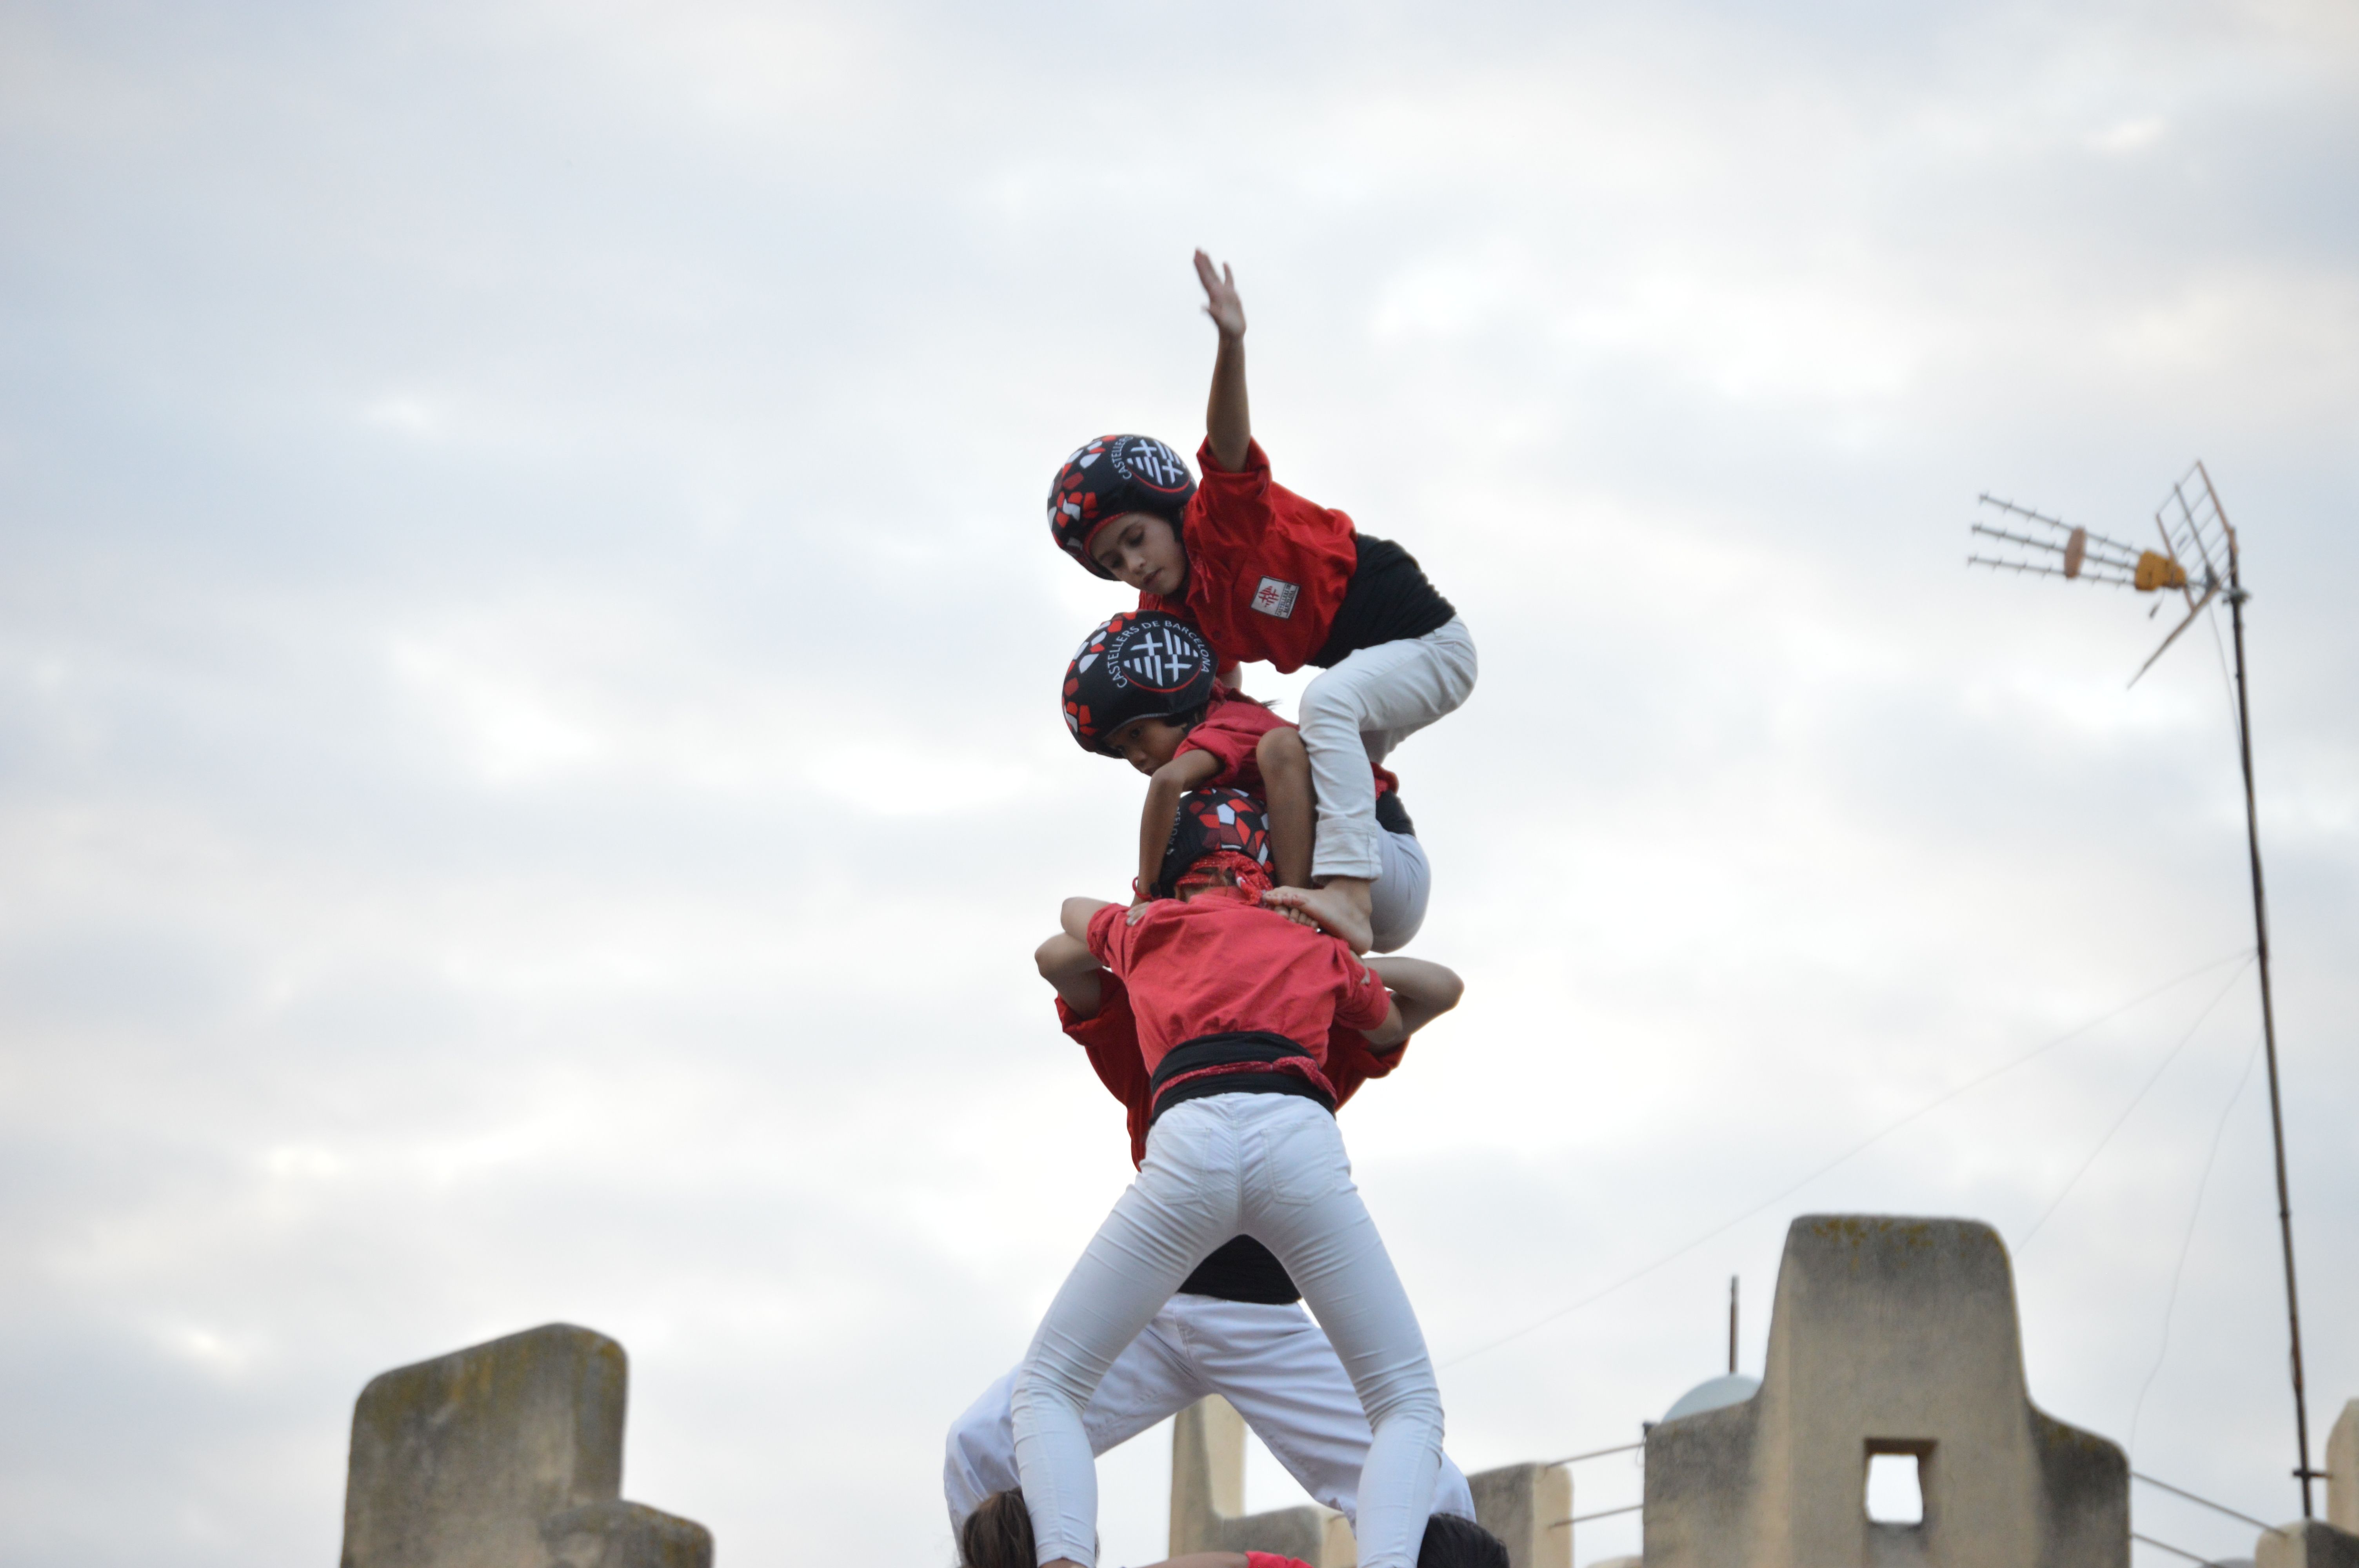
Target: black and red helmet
{"x":1112,"y":475}
{"x":1224,"y":827}
{"x":1143,"y":664}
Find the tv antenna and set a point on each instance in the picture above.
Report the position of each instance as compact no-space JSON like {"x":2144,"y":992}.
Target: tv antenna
{"x":2198,"y":553}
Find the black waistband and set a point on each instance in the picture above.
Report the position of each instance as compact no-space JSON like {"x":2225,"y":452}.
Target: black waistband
{"x":1232,"y":1050}
{"x":1223,"y":1051}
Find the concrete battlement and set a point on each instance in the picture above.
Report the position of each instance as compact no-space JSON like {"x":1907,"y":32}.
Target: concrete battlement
{"x":507,"y":1455}
{"x":1888,"y":1337}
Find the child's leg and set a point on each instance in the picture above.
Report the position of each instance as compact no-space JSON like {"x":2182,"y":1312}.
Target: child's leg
{"x":1299,"y":1202}
{"x":1390,"y":692}
{"x":1450,"y":650}
{"x":1397,"y":901}
{"x":1184,"y":1204}
{"x":1153,"y":1378}
{"x":1286,"y":792}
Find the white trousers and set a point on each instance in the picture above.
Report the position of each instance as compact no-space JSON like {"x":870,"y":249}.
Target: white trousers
{"x":1271,"y":1167}
{"x":1397,"y":897}
{"x":1271,"y":1362}
{"x":1355,"y":714}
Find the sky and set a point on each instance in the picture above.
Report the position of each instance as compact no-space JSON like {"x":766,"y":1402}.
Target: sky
{"x":529,"y":776}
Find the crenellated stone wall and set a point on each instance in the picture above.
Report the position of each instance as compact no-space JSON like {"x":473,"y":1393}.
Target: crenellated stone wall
{"x":506,"y":1454}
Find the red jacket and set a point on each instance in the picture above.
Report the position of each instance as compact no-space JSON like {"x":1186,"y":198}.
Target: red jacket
{"x":1110,"y":1036}
{"x":1267,"y":569}
{"x":1220,"y":963}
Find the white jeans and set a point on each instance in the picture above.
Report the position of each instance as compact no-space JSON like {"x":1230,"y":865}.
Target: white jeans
{"x":1397,"y":897}
{"x":1271,"y":1167}
{"x":1271,"y":1362}
{"x":1354,"y":715}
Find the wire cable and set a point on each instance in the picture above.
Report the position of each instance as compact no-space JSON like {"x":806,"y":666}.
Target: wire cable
{"x":1672,"y":1257}
{"x":2160,"y":1068}
{"x":2170,"y":1304}
{"x":2206,"y":1502}
{"x":2175,"y":1550}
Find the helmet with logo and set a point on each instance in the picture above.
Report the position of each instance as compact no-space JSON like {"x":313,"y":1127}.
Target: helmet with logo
{"x":1110,"y":475}
{"x":1216,"y":830}
{"x":1142,"y":664}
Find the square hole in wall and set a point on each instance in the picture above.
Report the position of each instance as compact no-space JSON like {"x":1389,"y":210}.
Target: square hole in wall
{"x":1896,"y":1491}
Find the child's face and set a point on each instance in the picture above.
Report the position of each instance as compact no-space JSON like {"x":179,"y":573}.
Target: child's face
{"x":1144,"y":551}
{"x":1146,"y":743}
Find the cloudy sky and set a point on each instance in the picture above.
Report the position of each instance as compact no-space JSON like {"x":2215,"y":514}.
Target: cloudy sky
{"x":529,"y":770}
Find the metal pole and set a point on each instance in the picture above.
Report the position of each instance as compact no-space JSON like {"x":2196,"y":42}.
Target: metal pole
{"x":2268,"y":1012}
{"x":1732,"y":1325}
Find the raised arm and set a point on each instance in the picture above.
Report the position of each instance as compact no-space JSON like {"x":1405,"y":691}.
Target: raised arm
{"x":1228,"y":424}
{"x":1164,"y":788}
{"x":1069,"y":966}
{"x":1422,"y":991}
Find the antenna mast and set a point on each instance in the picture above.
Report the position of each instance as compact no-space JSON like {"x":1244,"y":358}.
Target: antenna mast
{"x":2200,"y":538}
{"x":2237,"y":597}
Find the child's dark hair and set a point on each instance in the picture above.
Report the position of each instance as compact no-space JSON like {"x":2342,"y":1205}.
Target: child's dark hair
{"x":998,"y":1534}
{"x":1454,"y":1543}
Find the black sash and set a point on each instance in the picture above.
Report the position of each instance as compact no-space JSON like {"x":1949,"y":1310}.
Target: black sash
{"x":1252,"y":1045}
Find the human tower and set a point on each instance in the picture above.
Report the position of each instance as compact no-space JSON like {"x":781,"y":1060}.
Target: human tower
{"x":1231,"y":1006}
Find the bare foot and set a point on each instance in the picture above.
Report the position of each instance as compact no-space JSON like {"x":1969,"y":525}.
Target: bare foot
{"x":1332,"y":907}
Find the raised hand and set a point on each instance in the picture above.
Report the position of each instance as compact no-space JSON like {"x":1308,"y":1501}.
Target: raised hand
{"x":1228,"y":422}
{"x":1221,"y":301}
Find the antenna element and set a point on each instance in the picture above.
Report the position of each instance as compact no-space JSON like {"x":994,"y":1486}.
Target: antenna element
{"x":2199,"y":550}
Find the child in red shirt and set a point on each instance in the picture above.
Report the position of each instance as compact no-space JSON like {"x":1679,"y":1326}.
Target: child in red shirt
{"x":1141,"y":688}
{"x":1233,"y":1005}
{"x":1268,"y":574}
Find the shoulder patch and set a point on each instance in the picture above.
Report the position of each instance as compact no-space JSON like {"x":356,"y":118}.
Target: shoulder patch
{"x":1276,"y":598}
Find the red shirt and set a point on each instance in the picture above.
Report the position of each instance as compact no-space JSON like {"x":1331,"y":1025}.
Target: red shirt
{"x":1272,"y":1559}
{"x":1110,"y":1036}
{"x":1218,"y":964}
{"x":1231,"y":727}
{"x":1267,"y":569}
